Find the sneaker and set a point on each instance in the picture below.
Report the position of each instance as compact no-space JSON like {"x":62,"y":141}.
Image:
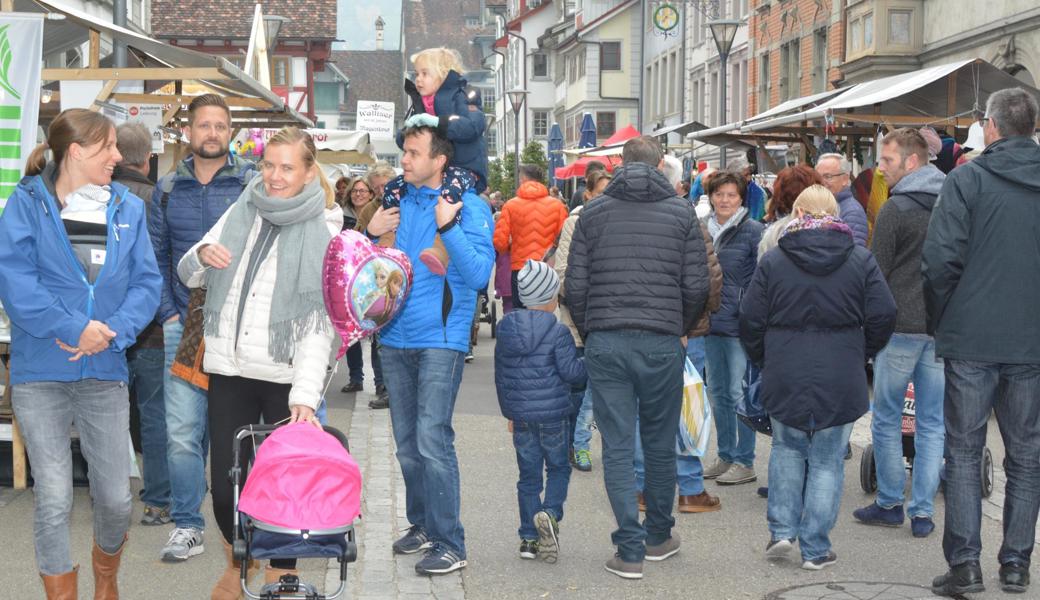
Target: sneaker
{"x":763,"y":492}
{"x":184,"y":543}
{"x":819,"y":564}
{"x":625,"y":570}
{"x":469,"y":357}
{"x":921,"y":527}
{"x":719,"y":468}
{"x":353,"y":387}
{"x":582,"y":461}
{"x":528,"y":549}
{"x":155,"y":516}
{"x":779,"y":548}
{"x":664,"y":550}
{"x":736,"y":475}
{"x":439,"y":561}
{"x":548,"y":536}
{"x":412,"y":541}
{"x":875,"y":515}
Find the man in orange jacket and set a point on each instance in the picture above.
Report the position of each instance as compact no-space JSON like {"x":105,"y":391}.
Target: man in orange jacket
{"x":529,"y":223}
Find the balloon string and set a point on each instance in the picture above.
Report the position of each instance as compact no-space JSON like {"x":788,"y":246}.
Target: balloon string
{"x":329,"y":382}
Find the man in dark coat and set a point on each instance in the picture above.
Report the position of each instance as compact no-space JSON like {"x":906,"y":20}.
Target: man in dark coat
{"x":982,"y":292}
{"x":637,"y":280}
{"x":836,"y":171}
{"x":899,"y":234}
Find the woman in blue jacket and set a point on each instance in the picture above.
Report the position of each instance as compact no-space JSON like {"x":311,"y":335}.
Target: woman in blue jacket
{"x":79,"y":280}
{"x":736,"y":236}
{"x":815,"y":311}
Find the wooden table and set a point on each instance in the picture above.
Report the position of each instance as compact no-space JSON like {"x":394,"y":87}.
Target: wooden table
{"x":18,"y":461}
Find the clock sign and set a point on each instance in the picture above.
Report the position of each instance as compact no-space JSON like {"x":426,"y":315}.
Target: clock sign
{"x":666,"y":17}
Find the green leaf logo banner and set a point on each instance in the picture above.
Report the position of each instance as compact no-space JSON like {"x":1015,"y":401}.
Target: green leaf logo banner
{"x":5,"y":64}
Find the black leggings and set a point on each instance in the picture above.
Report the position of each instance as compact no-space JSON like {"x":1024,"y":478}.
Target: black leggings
{"x":234,"y":402}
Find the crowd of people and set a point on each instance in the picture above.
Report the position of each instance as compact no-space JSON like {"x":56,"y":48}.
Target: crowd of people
{"x":203,"y":292}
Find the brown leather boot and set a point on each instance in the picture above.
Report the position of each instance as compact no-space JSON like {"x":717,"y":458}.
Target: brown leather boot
{"x":229,"y":586}
{"x":106,"y":571}
{"x":272,"y":575}
{"x":61,"y":587}
{"x":699,"y":503}
{"x":435,"y":257}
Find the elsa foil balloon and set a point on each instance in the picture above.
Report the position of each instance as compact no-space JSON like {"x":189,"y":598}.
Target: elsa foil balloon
{"x":364,"y":285}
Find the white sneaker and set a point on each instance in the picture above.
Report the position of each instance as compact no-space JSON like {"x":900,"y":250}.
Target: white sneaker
{"x":184,"y":543}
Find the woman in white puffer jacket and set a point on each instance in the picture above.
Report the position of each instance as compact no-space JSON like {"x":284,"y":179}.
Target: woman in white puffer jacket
{"x":268,"y":336}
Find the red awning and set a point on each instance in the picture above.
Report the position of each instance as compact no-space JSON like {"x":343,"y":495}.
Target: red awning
{"x":577,"y":168}
{"x":502,"y":42}
{"x":622,"y":135}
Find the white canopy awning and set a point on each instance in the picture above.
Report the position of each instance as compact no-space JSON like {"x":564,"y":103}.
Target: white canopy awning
{"x":335,"y":146}
{"x":154,"y":53}
{"x":936,"y":95}
{"x":797,"y":104}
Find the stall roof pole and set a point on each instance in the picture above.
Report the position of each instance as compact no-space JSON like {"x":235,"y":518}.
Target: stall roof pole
{"x":95,"y":49}
{"x":951,"y":99}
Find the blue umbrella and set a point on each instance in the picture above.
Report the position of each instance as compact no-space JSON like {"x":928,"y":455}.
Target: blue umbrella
{"x":588,"y":132}
{"x":555,"y":150}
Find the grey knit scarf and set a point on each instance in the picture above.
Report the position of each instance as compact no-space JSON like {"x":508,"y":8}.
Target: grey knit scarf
{"x":297,"y":303}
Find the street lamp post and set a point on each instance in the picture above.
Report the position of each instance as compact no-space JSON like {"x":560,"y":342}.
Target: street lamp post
{"x":723,"y":31}
{"x":516,"y":100}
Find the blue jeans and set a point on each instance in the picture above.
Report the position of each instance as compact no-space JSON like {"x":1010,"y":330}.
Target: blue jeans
{"x":538,"y":446}
{"x":583,"y":426}
{"x":186,"y":417}
{"x":973,"y":391}
{"x":908,"y":358}
{"x":46,"y":411}
{"x":356,"y":362}
{"x":423,"y":384}
{"x":806,"y":475}
{"x":578,"y":402}
{"x":689,"y":472}
{"x":726,"y":365}
{"x":146,"y":379}
{"x":637,"y":374}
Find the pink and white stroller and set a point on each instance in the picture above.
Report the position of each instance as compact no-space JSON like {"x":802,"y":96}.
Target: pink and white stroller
{"x":300,"y":500}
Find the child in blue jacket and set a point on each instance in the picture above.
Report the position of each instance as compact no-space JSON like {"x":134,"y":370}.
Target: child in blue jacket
{"x":439,"y":99}
{"x":536,"y":363}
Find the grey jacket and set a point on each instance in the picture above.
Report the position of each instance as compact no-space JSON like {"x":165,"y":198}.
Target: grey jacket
{"x":899,"y":233}
{"x":981,"y":259}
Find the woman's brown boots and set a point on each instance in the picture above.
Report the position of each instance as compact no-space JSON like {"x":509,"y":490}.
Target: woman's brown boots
{"x":61,"y":587}
{"x":229,"y":586}
{"x":106,"y":570}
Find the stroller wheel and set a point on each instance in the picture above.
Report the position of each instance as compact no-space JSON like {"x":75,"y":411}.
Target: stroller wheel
{"x":987,"y":472}
{"x":239,"y":550}
{"x":868,"y":470}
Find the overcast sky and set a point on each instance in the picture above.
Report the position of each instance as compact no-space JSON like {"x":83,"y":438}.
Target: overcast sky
{"x":356,"y":27}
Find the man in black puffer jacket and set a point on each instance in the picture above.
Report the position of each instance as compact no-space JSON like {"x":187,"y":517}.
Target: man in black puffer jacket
{"x":637,"y":280}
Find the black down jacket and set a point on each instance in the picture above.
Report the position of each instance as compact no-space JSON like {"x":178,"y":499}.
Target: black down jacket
{"x":815,"y":311}
{"x":536,"y":363}
{"x":637,"y":258}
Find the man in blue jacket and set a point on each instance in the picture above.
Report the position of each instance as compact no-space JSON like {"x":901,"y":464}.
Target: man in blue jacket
{"x":835,"y":171}
{"x":423,"y":348}
{"x":185,"y":205}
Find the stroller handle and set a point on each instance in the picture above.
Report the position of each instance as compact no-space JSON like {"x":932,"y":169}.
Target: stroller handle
{"x":265,"y":430}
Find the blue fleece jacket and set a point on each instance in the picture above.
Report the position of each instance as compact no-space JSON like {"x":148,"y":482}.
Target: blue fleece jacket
{"x":536,"y":362}
{"x":46,"y":292}
{"x":438,"y":312}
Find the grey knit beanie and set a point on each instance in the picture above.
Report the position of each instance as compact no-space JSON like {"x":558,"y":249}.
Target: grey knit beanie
{"x":537,"y":283}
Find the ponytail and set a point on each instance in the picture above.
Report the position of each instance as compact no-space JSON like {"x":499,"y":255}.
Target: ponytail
{"x":37,"y":160}
{"x":330,"y":194}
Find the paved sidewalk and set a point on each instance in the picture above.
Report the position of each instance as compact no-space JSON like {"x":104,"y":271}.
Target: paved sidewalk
{"x":378,"y":573}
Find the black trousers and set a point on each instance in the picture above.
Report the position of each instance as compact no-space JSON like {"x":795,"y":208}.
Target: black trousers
{"x":234,"y":402}
{"x":516,"y":290}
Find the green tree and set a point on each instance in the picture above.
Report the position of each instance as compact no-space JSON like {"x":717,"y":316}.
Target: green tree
{"x":508,"y":187}
{"x":494,"y":175}
{"x":534,"y":154}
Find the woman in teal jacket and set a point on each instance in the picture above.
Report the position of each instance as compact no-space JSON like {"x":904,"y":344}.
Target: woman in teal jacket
{"x":79,"y":280}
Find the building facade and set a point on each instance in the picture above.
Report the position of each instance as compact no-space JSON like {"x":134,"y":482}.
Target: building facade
{"x":303,"y":44}
{"x":797,"y":49}
{"x":895,"y":36}
{"x":664,"y":72}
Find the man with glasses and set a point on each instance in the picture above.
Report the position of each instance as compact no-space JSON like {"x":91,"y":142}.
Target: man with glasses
{"x":835,"y":171}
